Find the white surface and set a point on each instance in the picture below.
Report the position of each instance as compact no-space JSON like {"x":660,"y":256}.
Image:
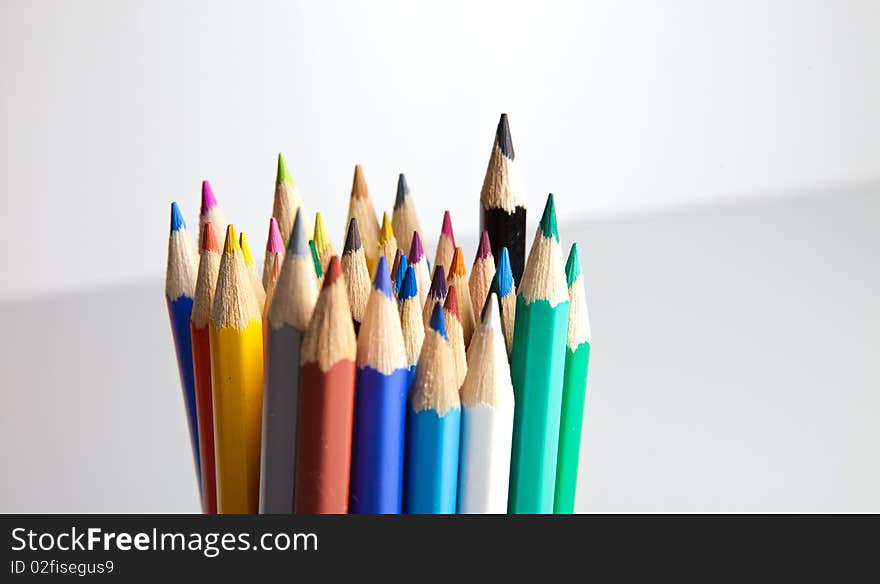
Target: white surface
{"x":733,"y":368}
{"x":111,"y":108}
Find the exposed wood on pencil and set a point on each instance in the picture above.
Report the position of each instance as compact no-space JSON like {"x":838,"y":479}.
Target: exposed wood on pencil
{"x":419,"y":262}
{"x":411,"y":319}
{"x":360,"y":207}
{"x":287,"y":199}
{"x":387,"y":245}
{"x":210,"y":211}
{"x":323,"y":244}
{"x":458,"y":277}
{"x":436,"y":294}
{"x":404,"y":219}
{"x":504,"y":287}
{"x":445,"y":243}
{"x":274,"y":249}
{"x":482,"y":272}
{"x":357,"y":277}
{"x":452,"y":316}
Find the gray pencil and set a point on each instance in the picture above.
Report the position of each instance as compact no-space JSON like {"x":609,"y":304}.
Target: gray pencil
{"x":288,"y":317}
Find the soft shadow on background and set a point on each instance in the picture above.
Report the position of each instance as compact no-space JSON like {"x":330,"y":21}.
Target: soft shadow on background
{"x":734,"y":369}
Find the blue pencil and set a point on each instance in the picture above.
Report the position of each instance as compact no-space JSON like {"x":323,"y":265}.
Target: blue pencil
{"x":180,"y":285}
{"x":433,"y":426}
{"x":400,"y":266}
{"x":380,"y":404}
{"x":411,"y":321}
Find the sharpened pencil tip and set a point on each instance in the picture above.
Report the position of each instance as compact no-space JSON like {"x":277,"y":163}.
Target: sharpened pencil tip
{"x":410,"y":287}
{"x":457,"y":268}
{"x":208,"y":198}
{"x":451,"y":303}
{"x":177,"y":222}
{"x":438,"y":283}
{"x":573,"y":264}
{"x":437,"y":323}
{"x":485,"y":249}
{"x":386,"y":233}
{"x":283,"y":174}
{"x":504,"y":273}
{"x":402,"y":190}
{"x":297,"y":244}
{"x":245,"y":249}
{"x":322,"y":238}
{"x":334,"y":270}
{"x":400,"y":271}
{"x":548,"y":219}
{"x":209,"y":239}
{"x":231,"y":243}
{"x":352,"y":238}
{"x":447,"y":227}
{"x":359,"y":188}
{"x":275,"y":243}
{"x":503,"y":139}
{"x":415,"y":249}
{"x":315,"y":259}
{"x":382,"y":279}
{"x":490,"y":307}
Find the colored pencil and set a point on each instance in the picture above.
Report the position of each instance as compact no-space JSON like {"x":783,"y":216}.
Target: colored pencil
{"x":452,"y":317}
{"x":360,"y":207}
{"x":357,"y":277}
{"x":323,"y":245}
{"x":237,"y":382}
{"x":457,"y":276}
{"x":292,"y":304}
{"x":482,"y":272}
{"x":287,"y":199}
{"x":399,"y":271}
{"x":436,"y":295}
{"x":274,"y":250}
{"x":326,"y":401}
{"x":380,"y":408}
{"x":502,"y":201}
{"x":445,"y":243}
{"x":536,"y":367}
{"x":316,"y":261}
{"x":206,"y":284}
{"x":256,"y":281}
{"x":486,"y":419}
{"x":419,"y":263}
{"x":404,"y":218}
{"x":180,"y":283}
{"x":577,"y":360}
{"x":387,"y":245}
{"x":433,"y":426}
{"x":210,"y":211}
{"x":411,"y":320}
{"x":503,"y":286}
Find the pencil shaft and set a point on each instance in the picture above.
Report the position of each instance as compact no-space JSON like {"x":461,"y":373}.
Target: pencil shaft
{"x":278,"y":464}
{"x":179,"y":312}
{"x":537,"y":363}
{"x":432,"y":461}
{"x":201,"y":357}
{"x":237,"y":382}
{"x":507,"y":230}
{"x":484,"y":466}
{"x":323,"y":461}
{"x":571,"y":426}
{"x":377,"y":458}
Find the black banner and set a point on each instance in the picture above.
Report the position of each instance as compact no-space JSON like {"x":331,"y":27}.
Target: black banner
{"x":128,"y":547}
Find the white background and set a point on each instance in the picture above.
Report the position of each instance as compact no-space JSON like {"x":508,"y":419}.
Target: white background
{"x":717,"y":160}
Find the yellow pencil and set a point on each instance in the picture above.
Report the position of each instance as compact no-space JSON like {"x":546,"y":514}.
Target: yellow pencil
{"x":387,"y":245}
{"x":237,"y":382}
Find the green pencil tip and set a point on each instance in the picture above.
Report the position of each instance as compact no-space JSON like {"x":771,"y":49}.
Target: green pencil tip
{"x":573,"y":265}
{"x":283,"y":176}
{"x":548,"y":219}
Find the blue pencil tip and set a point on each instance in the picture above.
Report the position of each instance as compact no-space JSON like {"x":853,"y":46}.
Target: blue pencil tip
{"x":382,"y":280}
{"x":504,"y":274}
{"x":437,"y":323}
{"x":177,"y":221}
{"x":401,"y":273}
{"x":409,"y":287}
{"x":297,"y":244}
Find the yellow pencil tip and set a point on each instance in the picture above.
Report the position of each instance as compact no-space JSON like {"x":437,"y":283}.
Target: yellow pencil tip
{"x":231,"y":243}
{"x":321,"y":237}
{"x":245,"y":249}
{"x":387,"y":233}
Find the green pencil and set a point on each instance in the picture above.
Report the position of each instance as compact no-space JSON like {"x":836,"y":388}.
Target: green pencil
{"x":536,"y":365}
{"x":577,"y":360}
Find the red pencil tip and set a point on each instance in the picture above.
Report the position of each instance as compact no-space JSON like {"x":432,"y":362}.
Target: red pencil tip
{"x":485,"y":249}
{"x":334,"y":270}
{"x":451,"y":303}
{"x":447,"y":227}
{"x":209,"y":238}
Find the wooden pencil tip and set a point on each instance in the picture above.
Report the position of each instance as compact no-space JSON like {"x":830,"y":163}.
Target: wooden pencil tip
{"x":231,"y":243}
{"x":275,"y":243}
{"x":297,"y":244}
{"x":503,"y":139}
{"x":437,"y":323}
{"x":416,"y":252}
{"x":451,"y":303}
{"x":438,"y":283}
{"x":386,"y":233}
{"x":382,"y":279}
{"x":209,"y":239}
{"x":177,"y":222}
{"x":409,"y":288}
{"x":548,"y":219}
{"x":573,"y":265}
{"x":352,"y":238}
{"x":245,"y":248}
{"x":359,"y":184}
{"x":334,"y":270}
{"x":485,"y":249}
{"x":457,"y":268}
{"x":322,"y":238}
{"x":402,"y":191}
{"x":447,"y":227}
{"x":490,"y":307}
{"x":282,"y":176}
{"x":503,"y":273}
{"x":208,"y":198}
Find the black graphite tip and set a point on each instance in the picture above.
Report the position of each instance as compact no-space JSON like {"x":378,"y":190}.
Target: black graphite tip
{"x":502,"y":138}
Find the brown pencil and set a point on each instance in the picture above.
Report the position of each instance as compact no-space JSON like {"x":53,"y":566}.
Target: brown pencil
{"x":357,"y":278}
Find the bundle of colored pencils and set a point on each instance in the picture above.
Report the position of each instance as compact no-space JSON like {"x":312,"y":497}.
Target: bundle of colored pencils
{"x":376,"y":382}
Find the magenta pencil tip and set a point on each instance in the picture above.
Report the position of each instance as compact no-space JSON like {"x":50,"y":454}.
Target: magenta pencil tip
{"x":485,"y":249}
{"x":208,"y":199}
{"x":447,"y":227}
{"x":275,"y":243}
{"x":415,"y":249}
